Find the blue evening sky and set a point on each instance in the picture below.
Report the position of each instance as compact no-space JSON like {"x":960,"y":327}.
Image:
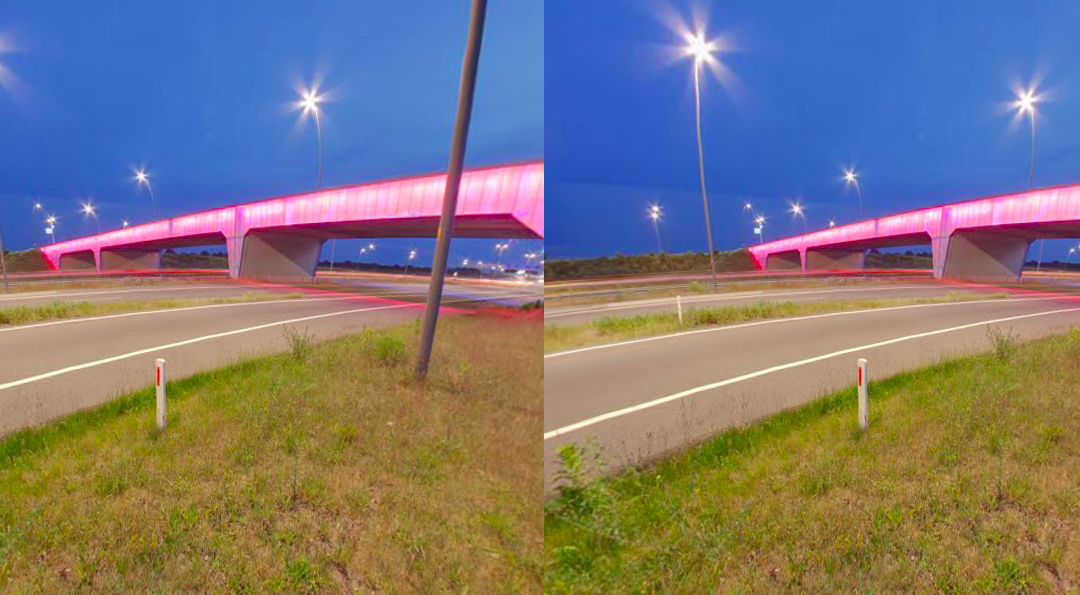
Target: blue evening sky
{"x":200,"y":92}
{"x":915,"y":94}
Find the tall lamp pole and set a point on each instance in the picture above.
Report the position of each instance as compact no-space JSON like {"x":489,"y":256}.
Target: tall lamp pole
{"x":1025,"y":103}
{"x":852,"y":178}
{"x":453,"y":182}
{"x":142,"y":178}
{"x":3,"y":259}
{"x":702,"y":51}
{"x":654,"y":214}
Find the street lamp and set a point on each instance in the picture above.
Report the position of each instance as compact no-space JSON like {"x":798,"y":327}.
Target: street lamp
{"x":1067,"y":258}
{"x":832,"y":223}
{"x":125,"y":223}
{"x":654,"y":214}
{"x":851,"y":178}
{"x":88,"y":210}
{"x":797,"y":210}
{"x":37,"y":207}
{"x":1025,"y":105}
{"x":50,"y":221}
{"x":142,"y":178}
{"x":500,"y":248}
{"x":760,"y":229}
{"x":412,"y":255}
{"x":309,"y":103}
{"x":702,"y":50}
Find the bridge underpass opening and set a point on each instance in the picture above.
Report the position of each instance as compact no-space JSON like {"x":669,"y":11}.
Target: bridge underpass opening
{"x":784,"y":261}
{"x":130,"y":259}
{"x":82,"y":260}
{"x":835,"y":259}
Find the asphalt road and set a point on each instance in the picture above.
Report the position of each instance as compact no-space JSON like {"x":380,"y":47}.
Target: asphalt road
{"x":582,"y":314}
{"x":54,"y":368}
{"x":645,"y":398}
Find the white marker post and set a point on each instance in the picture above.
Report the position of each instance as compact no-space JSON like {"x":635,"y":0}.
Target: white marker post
{"x":864,"y":407}
{"x":678,"y":306}
{"x":160,"y":385}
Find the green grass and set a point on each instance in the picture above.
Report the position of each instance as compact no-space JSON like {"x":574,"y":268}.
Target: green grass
{"x":610,"y":329}
{"x":323,"y":469}
{"x":968,"y":481}
{"x":62,"y":310}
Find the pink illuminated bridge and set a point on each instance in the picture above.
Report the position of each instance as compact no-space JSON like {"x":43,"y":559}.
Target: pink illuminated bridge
{"x":282,"y":237}
{"x":985,"y":238}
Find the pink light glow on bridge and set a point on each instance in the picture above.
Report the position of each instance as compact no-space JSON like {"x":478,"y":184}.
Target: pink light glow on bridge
{"x":503,"y":201}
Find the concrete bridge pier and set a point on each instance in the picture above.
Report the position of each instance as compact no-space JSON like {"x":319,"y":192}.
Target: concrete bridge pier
{"x":981,"y":255}
{"x":129,"y":259}
{"x":275,"y":255}
{"x":835,"y":259}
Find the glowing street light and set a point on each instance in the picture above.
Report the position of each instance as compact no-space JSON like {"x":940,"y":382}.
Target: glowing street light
{"x":1067,"y":258}
{"x":797,"y":210}
{"x":1025,"y":105}
{"x":832,"y":223}
{"x":142,"y":178}
{"x":851,"y":178}
{"x":50,"y":222}
{"x":37,"y":207}
{"x":654,"y":214}
{"x":760,"y":229}
{"x":412,"y":256}
{"x":125,"y":223}
{"x":702,"y":50}
{"x":88,"y":210}
{"x":309,"y":103}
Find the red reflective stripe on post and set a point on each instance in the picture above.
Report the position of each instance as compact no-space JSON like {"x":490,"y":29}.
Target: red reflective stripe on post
{"x":159,"y":375}
{"x":860,"y":376}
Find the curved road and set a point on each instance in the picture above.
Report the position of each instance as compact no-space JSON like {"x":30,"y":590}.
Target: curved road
{"x":54,"y":368}
{"x":643,"y":398}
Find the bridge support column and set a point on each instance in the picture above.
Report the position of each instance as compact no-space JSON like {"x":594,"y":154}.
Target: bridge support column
{"x":129,"y":259}
{"x":277,"y":255}
{"x":834,"y":259}
{"x":790,"y":260}
{"x":981,"y":255}
{"x":85,"y":260}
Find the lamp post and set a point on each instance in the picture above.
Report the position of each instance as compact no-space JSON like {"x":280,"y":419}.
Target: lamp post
{"x":51,"y":229}
{"x":309,"y":103}
{"x":412,"y":255}
{"x":1025,"y":105}
{"x":797,"y":210}
{"x":702,"y":51}
{"x":654,"y":214}
{"x":852,"y":179}
{"x":88,"y":209}
{"x":142,"y":178}
{"x":760,"y":229}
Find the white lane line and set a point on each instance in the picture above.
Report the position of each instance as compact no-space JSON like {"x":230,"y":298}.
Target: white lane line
{"x":48,"y":294}
{"x":23,"y":327}
{"x":746,"y":294}
{"x":693,"y":391}
{"x":123,"y":356}
{"x":793,"y":319}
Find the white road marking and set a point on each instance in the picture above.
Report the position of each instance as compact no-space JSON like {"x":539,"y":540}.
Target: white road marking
{"x":711,"y":298}
{"x":707,"y":387}
{"x":48,"y":294}
{"x":123,"y":356}
{"x":795,"y":319}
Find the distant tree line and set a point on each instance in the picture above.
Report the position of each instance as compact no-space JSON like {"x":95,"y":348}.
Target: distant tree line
{"x":898,"y":260}
{"x":610,"y":266}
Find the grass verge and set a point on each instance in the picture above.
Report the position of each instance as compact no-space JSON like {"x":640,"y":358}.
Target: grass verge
{"x":326,"y":469}
{"x":61,"y":310}
{"x":617,"y":328}
{"x":968,"y":481}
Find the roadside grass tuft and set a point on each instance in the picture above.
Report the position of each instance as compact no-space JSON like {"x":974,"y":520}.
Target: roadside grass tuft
{"x":328,"y":472}
{"x":966,"y":482}
{"x":618,"y":328}
{"x":64,"y":310}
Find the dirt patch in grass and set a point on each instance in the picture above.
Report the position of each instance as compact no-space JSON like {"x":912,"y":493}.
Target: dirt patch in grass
{"x":968,"y":481}
{"x":324,"y":469}
{"x":610,"y":329}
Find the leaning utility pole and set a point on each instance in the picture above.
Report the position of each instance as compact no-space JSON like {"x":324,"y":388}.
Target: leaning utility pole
{"x":453,"y":184}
